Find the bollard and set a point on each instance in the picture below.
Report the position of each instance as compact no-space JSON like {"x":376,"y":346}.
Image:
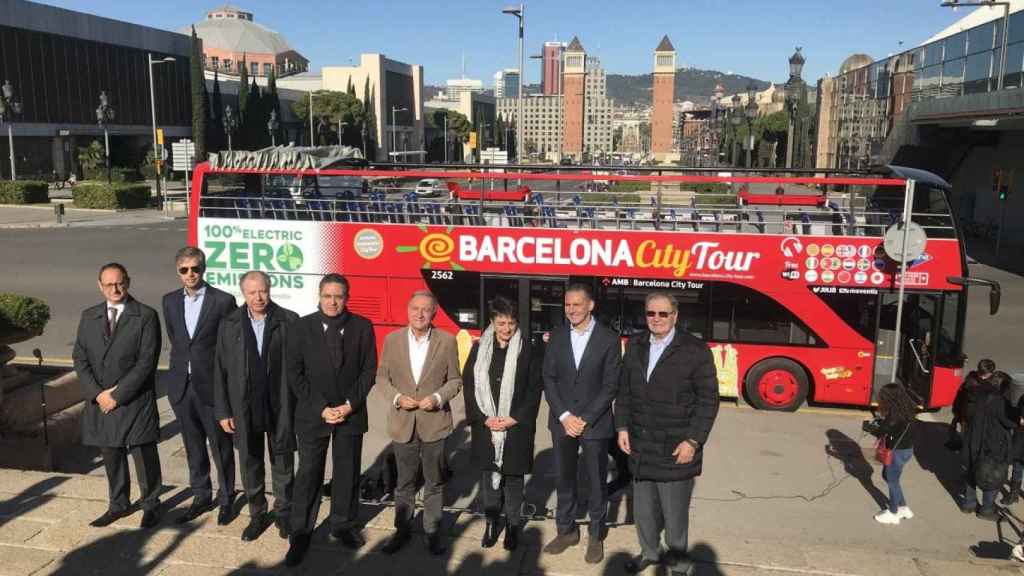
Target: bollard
{"x":58,"y":211}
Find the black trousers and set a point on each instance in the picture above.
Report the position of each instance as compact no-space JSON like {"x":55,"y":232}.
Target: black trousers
{"x":507,"y":497}
{"x":199,"y":427}
{"x":569,"y":452}
{"x":147,"y":466}
{"x":282,"y":474}
{"x":409,"y":457}
{"x":346,"y":460}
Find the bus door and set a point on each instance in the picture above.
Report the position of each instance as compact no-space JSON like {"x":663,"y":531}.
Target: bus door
{"x":541,"y":304}
{"x":917,"y":343}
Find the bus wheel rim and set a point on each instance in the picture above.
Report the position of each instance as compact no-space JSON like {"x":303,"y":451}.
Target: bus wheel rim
{"x":778,"y":387}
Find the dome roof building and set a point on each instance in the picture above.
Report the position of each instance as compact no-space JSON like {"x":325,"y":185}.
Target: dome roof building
{"x":230,"y":36}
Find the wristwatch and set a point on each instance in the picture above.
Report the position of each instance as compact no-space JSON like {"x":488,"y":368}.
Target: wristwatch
{"x":692,"y":442}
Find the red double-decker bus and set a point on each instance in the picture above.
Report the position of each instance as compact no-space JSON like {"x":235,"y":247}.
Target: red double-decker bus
{"x":785,"y":278}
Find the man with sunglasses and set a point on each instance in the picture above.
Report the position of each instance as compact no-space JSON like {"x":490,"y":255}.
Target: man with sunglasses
{"x":192,"y":315}
{"x":666,"y":405}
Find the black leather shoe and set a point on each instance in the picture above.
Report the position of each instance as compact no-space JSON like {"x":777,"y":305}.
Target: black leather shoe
{"x":297,"y":550}
{"x":224,"y":515}
{"x":396,"y":542}
{"x":283,"y":528}
{"x":256,"y":526}
{"x":150,"y":518}
{"x":490,"y":537}
{"x":638,"y":564}
{"x":196,"y":510}
{"x":435,"y":544}
{"x":511,"y":536}
{"x":349,"y":537}
{"x":109,"y":517}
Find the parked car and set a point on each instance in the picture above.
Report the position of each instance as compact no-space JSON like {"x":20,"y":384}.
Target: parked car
{"x":430,"y":188}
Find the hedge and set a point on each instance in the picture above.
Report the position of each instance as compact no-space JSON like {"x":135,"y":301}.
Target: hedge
{"x":23,"y":192}
{"x":23,"y":313}
{"x":116,"y":174}
{"x":103,"y":195}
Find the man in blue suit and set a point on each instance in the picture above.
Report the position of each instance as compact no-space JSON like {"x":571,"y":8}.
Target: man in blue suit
{"x":581,"y":375}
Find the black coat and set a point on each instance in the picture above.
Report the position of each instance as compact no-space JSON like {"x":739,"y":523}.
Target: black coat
{"x":316,"y":384}
{"x":232,"y":379}
{"x":518,"y":455}
{"x":587,"y":392}
{"x":200,"y":349}
{"x":989,"y":430}
{"x":679,"y":402}
{"x":126,"y":360}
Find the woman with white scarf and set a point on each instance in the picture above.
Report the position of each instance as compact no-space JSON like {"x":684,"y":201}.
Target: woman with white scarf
{"x":502,"y":388}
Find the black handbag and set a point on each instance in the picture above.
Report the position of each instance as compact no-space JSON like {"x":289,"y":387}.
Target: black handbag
{"x":989,"y":472}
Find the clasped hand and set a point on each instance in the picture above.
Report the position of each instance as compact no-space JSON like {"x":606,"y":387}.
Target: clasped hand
{"x":574,"y":425}
{"x":427,"y":404}
{"x":500,"y":423}
{"x":106,"y":400}
{"x":336,"y":414}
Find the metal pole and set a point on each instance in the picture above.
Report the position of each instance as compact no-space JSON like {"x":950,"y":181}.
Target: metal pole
{"x":789,"y":141}
{"x":312,"y":142}
{"x":10,"y":147}
{"x":908,"y":204}
{"x":339,"y":131}
{"x":750,"y":142}
{"x":519,"y":103}
{"x":393,"y":141}
{"x":157,"y":156}
{"x":445,"y":136}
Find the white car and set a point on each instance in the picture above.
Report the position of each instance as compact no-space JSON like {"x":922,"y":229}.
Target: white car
{"x":430,"y":188}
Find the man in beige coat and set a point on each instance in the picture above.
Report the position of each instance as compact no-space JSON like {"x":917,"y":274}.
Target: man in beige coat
{"x":419,"y":372}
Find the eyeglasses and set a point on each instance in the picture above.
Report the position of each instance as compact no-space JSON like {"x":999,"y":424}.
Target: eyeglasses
{"x":194,"y":269}
{"x":658,"y":313}
{"x":112,"y":285}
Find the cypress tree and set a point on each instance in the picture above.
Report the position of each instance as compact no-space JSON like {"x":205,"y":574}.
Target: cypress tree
{"x":274,"y":103}
{"x":215,"y":135}
{"x":240,"y":140}
{"x":199,"y":115}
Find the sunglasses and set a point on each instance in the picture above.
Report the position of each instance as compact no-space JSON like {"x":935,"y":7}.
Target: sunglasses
{"x":658,"y":313}
{"x":194,"y":269}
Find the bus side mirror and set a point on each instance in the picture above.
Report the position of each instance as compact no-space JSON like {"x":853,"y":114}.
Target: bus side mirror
{"x":994,"y":294}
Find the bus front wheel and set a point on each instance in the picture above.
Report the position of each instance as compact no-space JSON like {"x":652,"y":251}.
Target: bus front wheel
{"x":776,"y":384}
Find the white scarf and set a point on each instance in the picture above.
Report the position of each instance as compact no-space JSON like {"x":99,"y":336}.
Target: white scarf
{"x":482,"y":387}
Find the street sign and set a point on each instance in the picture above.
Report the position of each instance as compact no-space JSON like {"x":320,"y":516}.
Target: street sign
{"x":184,"y":155}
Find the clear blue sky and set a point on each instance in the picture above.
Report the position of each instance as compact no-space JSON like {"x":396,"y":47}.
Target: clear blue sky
{"x":742,"y":36}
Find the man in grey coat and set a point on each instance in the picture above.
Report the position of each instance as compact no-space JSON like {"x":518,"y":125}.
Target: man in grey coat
{"x":115,"y":356}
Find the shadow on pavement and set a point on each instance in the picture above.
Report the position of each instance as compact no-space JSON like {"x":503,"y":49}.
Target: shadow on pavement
{"x":707,"y":560}
{"x":932,"y":455}
{"x":849,"y":452}
{"x":30,"y":498}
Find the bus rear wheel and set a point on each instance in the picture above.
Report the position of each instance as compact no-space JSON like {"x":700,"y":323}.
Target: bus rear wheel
{"x":776,"y":384}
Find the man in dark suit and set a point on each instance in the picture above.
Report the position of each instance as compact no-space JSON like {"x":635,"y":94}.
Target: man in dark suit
{"x":115,"y":355}
{"x":332,"y":357}
{"x":192,"y":315}
{"x":581,"y":374}
{"x":253,"y":403}
{"x":664,"y":411}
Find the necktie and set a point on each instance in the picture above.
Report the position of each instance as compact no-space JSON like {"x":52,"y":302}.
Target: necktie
{"x":111,"y":320}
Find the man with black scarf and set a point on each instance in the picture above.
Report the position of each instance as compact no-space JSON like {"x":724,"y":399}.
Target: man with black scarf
{"x":332,"y":359}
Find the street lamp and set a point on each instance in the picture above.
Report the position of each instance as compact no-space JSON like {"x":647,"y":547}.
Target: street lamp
{"x":105,"y":115}
{"x":9,"y":107}
{"x":517,"y":11}
{"x":157,"y":153}
{"x":230,"y":123}
{"x":272,"y":126}
{"x":751,"y":114}
{"x":954,"y":4}
{"x":394,"y":149}
{"x":792,"y":90}
{"x":735,"y":118}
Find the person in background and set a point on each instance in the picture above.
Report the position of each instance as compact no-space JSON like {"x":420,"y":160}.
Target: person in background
{"x":896,"y":429}
{"x":1015,"y":396}
{"x":987,"y":437}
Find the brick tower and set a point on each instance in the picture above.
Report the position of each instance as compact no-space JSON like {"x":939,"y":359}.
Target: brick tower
{"x":663,"y":93}
{"x":574,"y":86}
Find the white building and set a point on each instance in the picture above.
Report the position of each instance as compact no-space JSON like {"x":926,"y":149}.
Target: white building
{"x":542,"y":129}
{"x":506,"y":83}
{"x":458,"y":86}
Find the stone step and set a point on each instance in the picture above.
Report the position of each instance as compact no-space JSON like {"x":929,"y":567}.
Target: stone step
{"x":21,"y":406}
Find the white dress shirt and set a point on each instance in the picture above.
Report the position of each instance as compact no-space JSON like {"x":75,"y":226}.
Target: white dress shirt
{"x":418,"y":348}
{"x":657,"y":349}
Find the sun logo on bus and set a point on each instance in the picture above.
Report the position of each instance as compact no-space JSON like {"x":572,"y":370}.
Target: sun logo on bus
{"x":289,"y":257}
{"x":434,"y":248}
